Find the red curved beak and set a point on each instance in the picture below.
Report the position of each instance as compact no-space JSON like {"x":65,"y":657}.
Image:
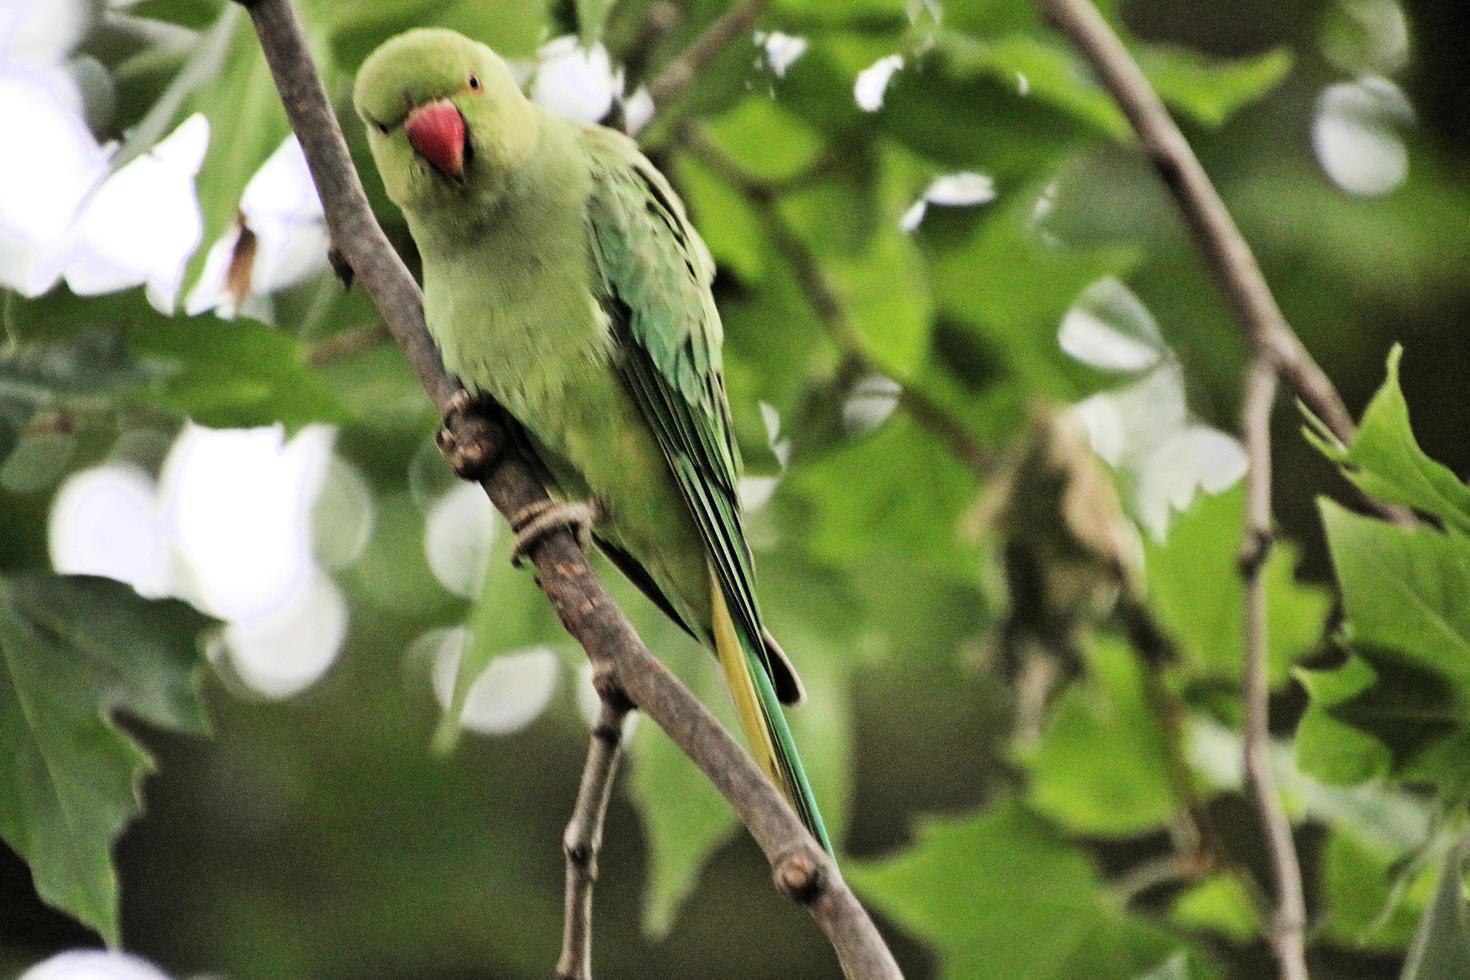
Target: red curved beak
{"x":436,"y":132}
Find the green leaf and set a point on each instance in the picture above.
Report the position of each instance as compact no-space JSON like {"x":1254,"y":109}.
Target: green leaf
{"x":1386,"y":461}
{"x":74,"y":652}
{"x":234,"y":373}
{"x":591,"y":15}
{"x":1101,"y":766}
{"x":204,"y":63}
{"x":1374,"y":897}
{"x":1441,"y":949}
{"x":893,"y":492}
{"x":513,"y":28}
{"x":766,"y":140}
{"x":1404,"y":589}
{"x":1053,"y":73}
{"x":1220,"y":904}
{"x":998,"y":894}
{"x":1327,"y":745}
{"x":1005,"y":283}
{"x":1209,"y":90}
{"x":1195,"y":587}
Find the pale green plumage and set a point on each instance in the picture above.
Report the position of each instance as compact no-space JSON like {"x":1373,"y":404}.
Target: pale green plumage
{"x":563,"y":279}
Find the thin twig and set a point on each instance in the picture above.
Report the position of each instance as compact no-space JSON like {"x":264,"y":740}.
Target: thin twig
{"x":802,"y":870}
{"x":1218,"y":239}
{"x":1288,"y":931}
{"x":583,"y":838}
{"x":1196,"y":839}
{"x":1224,"y":248}
{"x":680,"y":73}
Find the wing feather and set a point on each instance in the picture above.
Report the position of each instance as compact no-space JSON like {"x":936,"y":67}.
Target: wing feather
{"x":655,"y":276}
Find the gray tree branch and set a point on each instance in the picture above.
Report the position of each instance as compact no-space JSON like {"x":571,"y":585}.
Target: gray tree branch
{"x":1288,"y":931}
{"x":802,"y":870}
{"x":1275,"y":354}
{"x":583,"y":839}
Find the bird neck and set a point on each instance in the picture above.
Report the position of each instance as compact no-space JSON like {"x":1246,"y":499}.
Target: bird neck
{"x":513,"y":203}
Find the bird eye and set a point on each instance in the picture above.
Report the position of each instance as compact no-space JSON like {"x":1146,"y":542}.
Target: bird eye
{"x":382,"y":128}
{"x":474,"y":82}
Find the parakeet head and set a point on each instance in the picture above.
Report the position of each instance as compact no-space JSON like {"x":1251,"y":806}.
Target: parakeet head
{"x":444,"y":117}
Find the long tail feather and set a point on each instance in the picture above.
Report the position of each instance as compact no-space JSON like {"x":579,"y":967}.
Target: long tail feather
{"x":761,"y":716}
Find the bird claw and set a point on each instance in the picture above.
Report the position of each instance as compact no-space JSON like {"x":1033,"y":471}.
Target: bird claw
{"x":471,"y":458}
{"x":535,"y":521}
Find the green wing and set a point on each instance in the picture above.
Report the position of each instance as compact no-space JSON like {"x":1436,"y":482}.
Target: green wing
{"x":655,"y":278}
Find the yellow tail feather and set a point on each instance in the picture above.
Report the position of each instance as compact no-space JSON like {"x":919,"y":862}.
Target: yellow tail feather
{"x":742,"y":687}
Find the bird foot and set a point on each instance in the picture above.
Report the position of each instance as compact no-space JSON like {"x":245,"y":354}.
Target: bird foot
{"x":534,"y":521}
{"x":464,"y":438}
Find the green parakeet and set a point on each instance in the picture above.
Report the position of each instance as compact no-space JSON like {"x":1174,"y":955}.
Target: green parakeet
{"x":563,"y":279}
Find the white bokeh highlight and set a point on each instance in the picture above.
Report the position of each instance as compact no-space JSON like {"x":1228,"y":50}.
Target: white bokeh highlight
{"x":281,"y":209}
{"x":780,"y":50}
{"x":107,"y":521}
{"x":510,"y":693}
{"x":964,"y":189}
{"x":227,"y":526}
{"x":573,"y":81}
{"x":140,"y":227}
{"x":1144,"y":432}
{"x":94,"y":964}
{"x":1356,"y":135}
{"x":872,"y":82}
{"x":458,"y":535}
{"x":1110,"y":328}
{"x":1144,"y":429}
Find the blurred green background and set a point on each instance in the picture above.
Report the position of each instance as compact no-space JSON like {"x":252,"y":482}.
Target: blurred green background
{"x":315,"y":831}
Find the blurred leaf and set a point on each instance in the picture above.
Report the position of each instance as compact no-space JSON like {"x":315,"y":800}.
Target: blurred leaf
{"x":1441,"y":948}
{"x":234,"y":373}
{"x":189,"y":13}
{"x":1194,"y":586}
{"x":1373,"y":897}
{"x":684,"y":817}
{"x":74,"y":652}
{"x":591,"y":14}
{"x":203,"y":65}
{"x":1209,"y":90}
{"x":1386,"y":461}
{"x":892,"y":492}
{"x":765,"y":139}
{"x":1101,"y":768}
{"x":513,"y":28}
{"x":1046,"y":68}
{"x":1012,"y":287}
{"x":1220,"y":904}
{"x":58,"y":361}
{"x":999,"y":895}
